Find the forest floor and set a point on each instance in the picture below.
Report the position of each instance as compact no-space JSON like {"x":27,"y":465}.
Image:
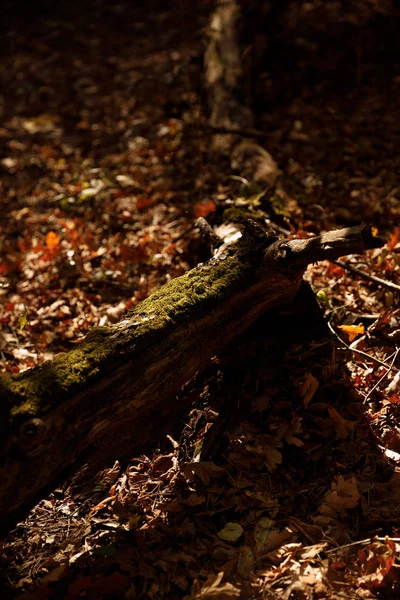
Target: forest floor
{"x":283,"y":480}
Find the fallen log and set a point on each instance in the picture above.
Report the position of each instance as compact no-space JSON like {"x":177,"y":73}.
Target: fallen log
{"x":111,"y":394}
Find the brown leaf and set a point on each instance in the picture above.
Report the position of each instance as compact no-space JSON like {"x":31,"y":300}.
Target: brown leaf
{"x":308,"y":388}
{"x":205,"y":470}
{"x":215,"y":589}
{"x":343,"y":495}
{"x":343,"y":427}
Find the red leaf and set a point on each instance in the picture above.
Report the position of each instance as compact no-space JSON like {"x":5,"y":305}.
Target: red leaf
{"x":394,"y":398}
{"x":142,"y":203}
{"x":204,"y":208}
{"x":3,"y":268}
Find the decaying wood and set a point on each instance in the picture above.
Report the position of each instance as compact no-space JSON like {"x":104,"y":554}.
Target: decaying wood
{"x":227,"y":79}
{"x":225,"y":75}
{"x":110,"y":395}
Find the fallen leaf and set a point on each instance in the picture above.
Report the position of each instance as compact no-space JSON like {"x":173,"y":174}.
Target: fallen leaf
{"x":52,"y":240}
{"x":393,"y":239}
{"x":352,"y":330}
{"x":308,"y":388}
{"x":205,"y":470}
{"x":262,"y":530}
{"x":204,"y":208}
{"x":23,"y":320}
{"x":231,"y":532}
{"x":245,"y":565}
{"x":343,"y":427}
{"x":215,"y":589}
{"x":343,"y":495}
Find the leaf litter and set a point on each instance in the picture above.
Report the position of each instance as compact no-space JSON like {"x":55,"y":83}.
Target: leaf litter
{"x":297,"y":496}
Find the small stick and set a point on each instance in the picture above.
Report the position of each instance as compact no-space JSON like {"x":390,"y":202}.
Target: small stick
{"x":365,"y":354}
{"x":360,"y":542}
{"x":389,"y":284}
{"x":383,"y":376}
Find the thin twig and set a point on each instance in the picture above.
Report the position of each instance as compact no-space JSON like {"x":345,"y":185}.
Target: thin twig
{"x":389,"y":284}
{"x":366,"y":541}
{"x":383,"y":376}
{"x":368,"y":356}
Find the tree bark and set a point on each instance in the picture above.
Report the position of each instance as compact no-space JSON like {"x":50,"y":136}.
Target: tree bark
{"x":111,"y":394}
{"x":227,"y":77}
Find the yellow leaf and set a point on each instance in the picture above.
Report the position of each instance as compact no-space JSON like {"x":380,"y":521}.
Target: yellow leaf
{"x":52,"y":240}
{"x":23,"y":320}
{"x":352,"y":330}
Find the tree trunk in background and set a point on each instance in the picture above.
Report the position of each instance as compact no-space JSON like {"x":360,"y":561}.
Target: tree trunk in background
{"x":228,"y":80}
{"x":113,"y":392}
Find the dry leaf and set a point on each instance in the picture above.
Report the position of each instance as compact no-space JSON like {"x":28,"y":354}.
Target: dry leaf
{"x":245,"y":564}
{"x":293,"y":428}
{"x":343,"y":427}
{"x":204,"y":208}
{"x":308,"y":388}
{"x":393,"y":239}
{"x":272,"y":458}
{"x":352,"y":331}
{"x":262,"y":530}
{"x":343,"y":494}
{"x":231,"y":532}
{"x":205,"y":470}
{"x":215,"y":589}
{"x":52,"y":240}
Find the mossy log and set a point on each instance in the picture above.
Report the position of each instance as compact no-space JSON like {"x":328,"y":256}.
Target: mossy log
{"x":111,"y":394}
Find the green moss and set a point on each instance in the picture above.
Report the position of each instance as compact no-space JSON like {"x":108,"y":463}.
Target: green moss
{"x":67,"y":371}
{"x":183,"y":298}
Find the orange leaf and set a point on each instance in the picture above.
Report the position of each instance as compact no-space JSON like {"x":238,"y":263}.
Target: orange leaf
{"x":352,"y":330}
{"x":52,"y":240}
{"x":393,"y":239}
{"x":204,"y":208}
{"x":374,"y":231}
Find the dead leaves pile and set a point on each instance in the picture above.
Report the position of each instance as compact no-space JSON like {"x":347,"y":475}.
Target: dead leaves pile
{"x":98,"y":195}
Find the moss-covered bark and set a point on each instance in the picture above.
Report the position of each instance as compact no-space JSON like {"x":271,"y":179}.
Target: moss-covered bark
{"x":111,"y":393}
